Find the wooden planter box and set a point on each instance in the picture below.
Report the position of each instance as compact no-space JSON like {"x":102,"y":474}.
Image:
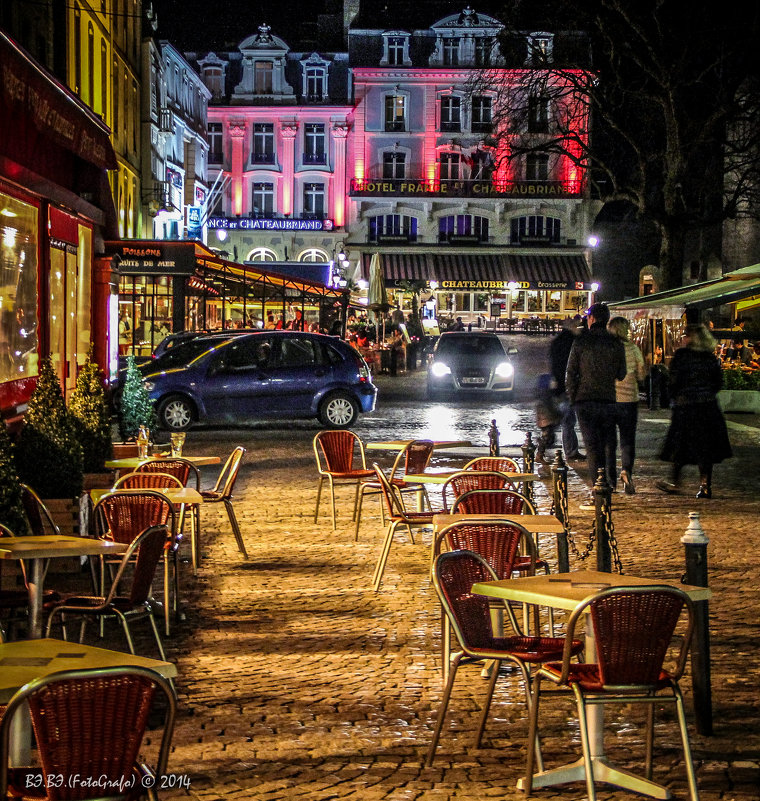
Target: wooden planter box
{"x":124,"y":450}
{"x":71,"y":519}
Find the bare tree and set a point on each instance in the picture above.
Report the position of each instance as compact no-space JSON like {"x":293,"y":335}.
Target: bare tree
{"x":656,"y":109}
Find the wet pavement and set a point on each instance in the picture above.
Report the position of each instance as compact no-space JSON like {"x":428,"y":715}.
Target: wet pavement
{"x":297,"y":681}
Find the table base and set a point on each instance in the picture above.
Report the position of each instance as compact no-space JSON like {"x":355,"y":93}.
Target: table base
{"x":603,"y":772}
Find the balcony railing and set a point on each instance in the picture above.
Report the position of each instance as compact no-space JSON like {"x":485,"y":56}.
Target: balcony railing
{"x":419,"y":187}
{"x":315,"y":158}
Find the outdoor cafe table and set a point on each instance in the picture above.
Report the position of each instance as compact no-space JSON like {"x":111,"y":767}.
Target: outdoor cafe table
{"x":400,"y":444}
{"x":131,"y":462}
{"x":50,"y":546}
{"x":25,"y":660}
{"x":567,"y":591}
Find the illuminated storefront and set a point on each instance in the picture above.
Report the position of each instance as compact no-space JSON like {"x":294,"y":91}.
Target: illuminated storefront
{"x":55,"y":206}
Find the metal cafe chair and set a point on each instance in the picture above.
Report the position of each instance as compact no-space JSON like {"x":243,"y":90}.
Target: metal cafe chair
{"x":500,"y":464}
{"x":122,"y":515}
{"x":634,"y":628}
{"x":412,"y":459}
{"x":145,"y":550}
{"x":90,"y":723}
{"x":454,"y":573}
{"x":499,"y":542}
{"x":397,"y":515}
{"x":37,"y":514}
{"x":222,"y":493}
{"x":336,"y":455}
{"x":468,"y":480}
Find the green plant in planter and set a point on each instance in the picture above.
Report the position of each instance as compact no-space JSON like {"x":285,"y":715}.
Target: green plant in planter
{"x":11,"y":510}
{"x":735,"y":379}
{"x":91,"y":418}
{"x":135,"y":408}
{"x":48,"y":455}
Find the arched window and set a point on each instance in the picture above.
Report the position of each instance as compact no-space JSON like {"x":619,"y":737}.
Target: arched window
{"x":314,"y":254}
{"x":391,"y":228}
{"x":535,"y":229}
{"x":463,"y":226}
{"x":262,"y":254}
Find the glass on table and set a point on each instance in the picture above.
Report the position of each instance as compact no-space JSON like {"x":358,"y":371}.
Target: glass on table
{"x":177,"y":440}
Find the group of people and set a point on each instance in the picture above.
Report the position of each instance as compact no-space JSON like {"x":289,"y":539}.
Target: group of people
{"x":596,"y":373}
{"x":740,"y":354}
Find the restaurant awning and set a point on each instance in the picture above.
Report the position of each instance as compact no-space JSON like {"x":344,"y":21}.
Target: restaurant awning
{"x":672,"y":304}
{"x":478,"y":271}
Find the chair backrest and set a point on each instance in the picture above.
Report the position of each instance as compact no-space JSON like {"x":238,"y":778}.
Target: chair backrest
{"x":227,"y":478}
{"x":493,"y":502}
{"x":184,"y":470}
{"x":91,"y":723}
{"x":498,"y":542}
{"x":149,"y":546}
{"x":467,"y":480}
{"x":6,"y":532}
{"x":37,"y":514}
{"x":454,"y":573}
{"x":394,"y":503}
{"x":501,"y":464}
{"x":417,"y":455}
{"x":127,"y":513}
{"x":147,"y":481}
{"x":337,"y":449}
{"x":634,"y":629}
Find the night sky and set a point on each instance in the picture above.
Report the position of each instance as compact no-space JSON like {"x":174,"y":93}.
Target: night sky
{"x":204,"y":25}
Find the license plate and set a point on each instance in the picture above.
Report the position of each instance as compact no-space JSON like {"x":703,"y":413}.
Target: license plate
{"x":466,"y":380}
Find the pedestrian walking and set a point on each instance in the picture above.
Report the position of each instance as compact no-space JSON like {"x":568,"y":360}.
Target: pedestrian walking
{"x":697,"y":433}
{"x":559,"y":353}
{"x":596,"y":362}
{"x":627,"y":405}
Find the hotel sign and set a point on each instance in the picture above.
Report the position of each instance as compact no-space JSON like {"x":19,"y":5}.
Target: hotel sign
{"x":268,"y":224}
{"x":416,"y":188}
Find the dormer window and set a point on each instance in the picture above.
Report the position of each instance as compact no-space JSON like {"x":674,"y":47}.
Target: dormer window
{"x":540,"y":49}
{"x":451,"y":52}
{"x":263,"y":72}
{"x":395,"y":49}
{"x":483,"y":51}
{"x":316,"y":84}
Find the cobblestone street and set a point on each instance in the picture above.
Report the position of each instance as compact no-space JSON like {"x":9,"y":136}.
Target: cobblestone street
{"x":297,"y":681}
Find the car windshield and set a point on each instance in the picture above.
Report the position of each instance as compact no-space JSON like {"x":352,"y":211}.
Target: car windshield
{"x":469,"y":346}
{"x":182,"y":354}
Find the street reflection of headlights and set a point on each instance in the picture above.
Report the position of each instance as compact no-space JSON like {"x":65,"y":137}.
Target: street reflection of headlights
{"x":149,"y":385}
{"x":504,"y":370}
{"x":439,"y":369}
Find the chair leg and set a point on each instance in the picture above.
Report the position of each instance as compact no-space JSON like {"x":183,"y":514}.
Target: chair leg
{"x":356,"y":498}
{"x":167,"y":599}
{"x":532,"y":735}
{"x":332,"y":502}
{"x":156,"y":634}
{"x":319,"y":495}
{"x":649,"y":741}
{"x":235,"y":527}
{"x":358,"y":513}
{"x":487,"y":702}
{"x":127,"y":632}
{"x":380,"y":568}
{"x":442,"y":711}
{"x":445,"y":646}
{"x":690,"y":774}
{"x":588,"y":764}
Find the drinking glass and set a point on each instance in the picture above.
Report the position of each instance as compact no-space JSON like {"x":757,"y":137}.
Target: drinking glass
{"x":178,"y":440}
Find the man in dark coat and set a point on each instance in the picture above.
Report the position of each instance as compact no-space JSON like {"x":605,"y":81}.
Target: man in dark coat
{"x":559,"y":353}
{"x":597,"y":360}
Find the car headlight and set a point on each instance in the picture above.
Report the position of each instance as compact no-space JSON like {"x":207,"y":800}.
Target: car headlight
{"x":149,"y":385}
{"x":439,"y":369}
{"x":504,"y":370}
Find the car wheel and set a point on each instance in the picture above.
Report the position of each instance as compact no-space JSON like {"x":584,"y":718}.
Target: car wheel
{"x":338,"y":410}
{"x":176,"y":413}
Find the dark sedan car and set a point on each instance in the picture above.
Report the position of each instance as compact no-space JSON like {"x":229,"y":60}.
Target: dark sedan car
{"x":286,"y":374}
{"x":471,"y":362}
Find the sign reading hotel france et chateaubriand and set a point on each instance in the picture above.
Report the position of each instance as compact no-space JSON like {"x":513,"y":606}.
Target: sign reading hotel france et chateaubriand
{"x":467,"y":188}
{"x":268,"y":224}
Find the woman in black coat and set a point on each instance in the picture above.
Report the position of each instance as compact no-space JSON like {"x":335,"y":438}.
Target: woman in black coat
{"x":697,"y":433}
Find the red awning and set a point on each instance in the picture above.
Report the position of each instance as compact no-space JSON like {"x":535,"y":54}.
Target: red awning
{"x":36,"y":109}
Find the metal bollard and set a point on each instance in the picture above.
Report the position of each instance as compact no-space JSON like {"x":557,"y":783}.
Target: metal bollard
{"x":529,"y":464}
{"x":560,"y":510}
{"x":602,"y":504}
{"x":493,"y":439}
{"x":695,"y":546}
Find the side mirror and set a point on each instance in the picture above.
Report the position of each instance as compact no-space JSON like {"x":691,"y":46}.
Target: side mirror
{"x":512,"y":351}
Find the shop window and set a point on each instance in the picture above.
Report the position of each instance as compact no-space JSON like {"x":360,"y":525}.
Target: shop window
{"x":534,"y":301}
{"x":553,"y":301}
{"x":18,"y":288}
{"x":147,"y":303}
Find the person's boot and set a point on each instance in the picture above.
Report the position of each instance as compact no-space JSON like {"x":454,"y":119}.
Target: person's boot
{"x":705,"y":490}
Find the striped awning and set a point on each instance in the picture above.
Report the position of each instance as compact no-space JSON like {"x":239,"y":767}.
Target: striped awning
{"x":467,"y":270}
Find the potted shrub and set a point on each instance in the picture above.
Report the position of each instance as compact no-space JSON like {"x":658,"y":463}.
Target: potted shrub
{"x":740,"y":391}
{"x":135,"y":407}
{"x":48,"y":455}
{"x":92,"y":424}
{"x":11,"y":510}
